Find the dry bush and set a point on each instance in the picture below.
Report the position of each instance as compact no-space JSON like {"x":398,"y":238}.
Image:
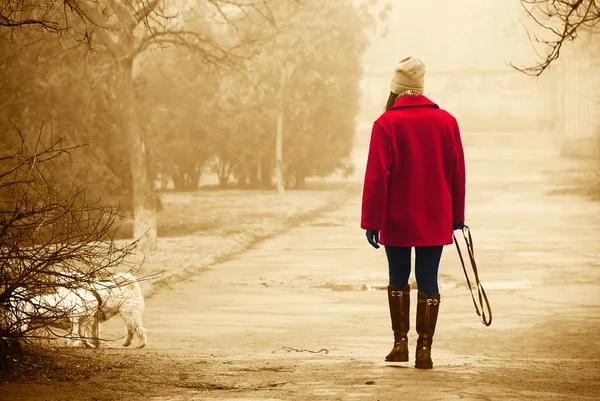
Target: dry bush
{"x":49,"y":229}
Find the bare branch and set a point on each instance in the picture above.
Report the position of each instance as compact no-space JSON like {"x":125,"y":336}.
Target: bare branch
{"x":563,"y":19}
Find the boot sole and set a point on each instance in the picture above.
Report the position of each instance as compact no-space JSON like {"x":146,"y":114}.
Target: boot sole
{"x":424,"y":365}
{"x":398,"y":358}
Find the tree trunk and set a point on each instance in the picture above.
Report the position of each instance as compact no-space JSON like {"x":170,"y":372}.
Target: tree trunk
{"x":164,"y":181}
{"x":224,"y":173}
{"x":259,"y":168}
{"x":144,"y":208}
{"x":300,"y":181}
{"x":279,"y":138}
{"x":266,"y":173}
{"x":178,"y":179}
{"x":253,"y":178}
{"x":193,"y":179}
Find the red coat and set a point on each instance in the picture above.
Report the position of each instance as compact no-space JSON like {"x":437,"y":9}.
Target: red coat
{"x":414,"y":189}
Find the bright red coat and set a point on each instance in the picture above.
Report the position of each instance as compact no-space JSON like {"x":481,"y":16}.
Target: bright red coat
{"x":414,"y":189}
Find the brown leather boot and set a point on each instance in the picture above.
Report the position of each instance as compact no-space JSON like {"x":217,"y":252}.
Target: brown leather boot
{"x":399,"y":301}
{"x":427,"y":313}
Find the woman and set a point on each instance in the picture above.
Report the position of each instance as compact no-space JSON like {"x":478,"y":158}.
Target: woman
{"x":413,"y":196}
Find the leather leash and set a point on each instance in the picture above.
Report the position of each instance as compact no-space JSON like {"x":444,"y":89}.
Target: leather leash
{"x":481,"y":295}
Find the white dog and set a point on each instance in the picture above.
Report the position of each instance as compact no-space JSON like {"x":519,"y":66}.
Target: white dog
{"x":80,"y":307}
{"x":122,"y":295}
{"x":15,"y":313}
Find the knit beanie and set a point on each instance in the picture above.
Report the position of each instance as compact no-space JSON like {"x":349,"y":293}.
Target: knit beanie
{"x":408,"y":75}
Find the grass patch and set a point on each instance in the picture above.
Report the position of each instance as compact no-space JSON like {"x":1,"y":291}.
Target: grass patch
{"x":199,"y":229}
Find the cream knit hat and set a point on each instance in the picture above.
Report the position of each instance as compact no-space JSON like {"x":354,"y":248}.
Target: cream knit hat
{"x":408,"y":75}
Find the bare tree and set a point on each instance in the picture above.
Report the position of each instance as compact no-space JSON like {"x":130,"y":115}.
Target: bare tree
{"x":81,"y":19}
{"x":49,"y":229}
{"x":125,"y":30}
{"x":562,"y":21}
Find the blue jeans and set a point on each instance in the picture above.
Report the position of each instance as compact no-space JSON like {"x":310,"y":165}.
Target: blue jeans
{"x":427,"y":262}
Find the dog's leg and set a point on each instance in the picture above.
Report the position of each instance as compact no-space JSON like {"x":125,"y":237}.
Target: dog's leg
{"x":75,"y":328}
{"x":96,"y":330}
{"x":134,"y":322}
{"x":131,"y":313}
{"x":86,"y":331}
{"x":131,"y":323}
{"x":129,"y":337}
{"x":141,"y":333}
{"x":137,"y":329}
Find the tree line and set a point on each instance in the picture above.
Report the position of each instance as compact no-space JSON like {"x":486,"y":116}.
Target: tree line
{"x":165,"y":92}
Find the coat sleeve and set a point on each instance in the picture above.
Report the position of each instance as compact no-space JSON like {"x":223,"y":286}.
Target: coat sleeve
{"x":459,"y":181}
{"x":377,"y":174}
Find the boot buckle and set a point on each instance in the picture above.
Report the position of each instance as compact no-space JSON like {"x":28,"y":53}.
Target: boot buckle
{"x":396,"y":293}
{"x":432,"y":301}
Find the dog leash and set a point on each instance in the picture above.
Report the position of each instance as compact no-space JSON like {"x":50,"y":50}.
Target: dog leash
{"x":482,"y":297}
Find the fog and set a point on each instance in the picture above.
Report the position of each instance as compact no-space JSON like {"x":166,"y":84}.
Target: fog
{"x":467,"y":47}
{"x":217,"y":151}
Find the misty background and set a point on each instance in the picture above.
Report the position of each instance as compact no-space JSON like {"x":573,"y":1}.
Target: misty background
{"x":215,"y":149}
{"x":467,"y":46}
{"x":182,"y":96}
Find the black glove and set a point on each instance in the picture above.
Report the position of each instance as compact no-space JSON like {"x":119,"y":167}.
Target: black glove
{"x":373,"y":238}
{"x":459,"y":226}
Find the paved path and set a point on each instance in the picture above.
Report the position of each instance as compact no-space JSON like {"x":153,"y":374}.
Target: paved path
{"x":300,"y":317}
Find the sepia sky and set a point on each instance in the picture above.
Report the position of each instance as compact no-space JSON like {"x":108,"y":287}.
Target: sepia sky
{"x":452,"y":35}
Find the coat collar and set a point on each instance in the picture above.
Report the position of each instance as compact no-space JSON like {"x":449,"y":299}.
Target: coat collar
{"x":413,"y":101}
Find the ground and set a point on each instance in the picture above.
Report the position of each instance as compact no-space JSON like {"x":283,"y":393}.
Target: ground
{"x":303,"y":315}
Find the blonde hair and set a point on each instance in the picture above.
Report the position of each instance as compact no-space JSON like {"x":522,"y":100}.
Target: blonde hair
{"x":393,"y":97}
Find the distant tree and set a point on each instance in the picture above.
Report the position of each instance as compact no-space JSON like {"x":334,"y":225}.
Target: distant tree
{"x":124,"y":31}
{"x":241,"y":134}
{"x":176,"y":106}
{"x":74,"y":95}
{"x":318,"y":62}
{"x":301,"y":93}
{"x":324,"y":95}
{"x":561,"y":21}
